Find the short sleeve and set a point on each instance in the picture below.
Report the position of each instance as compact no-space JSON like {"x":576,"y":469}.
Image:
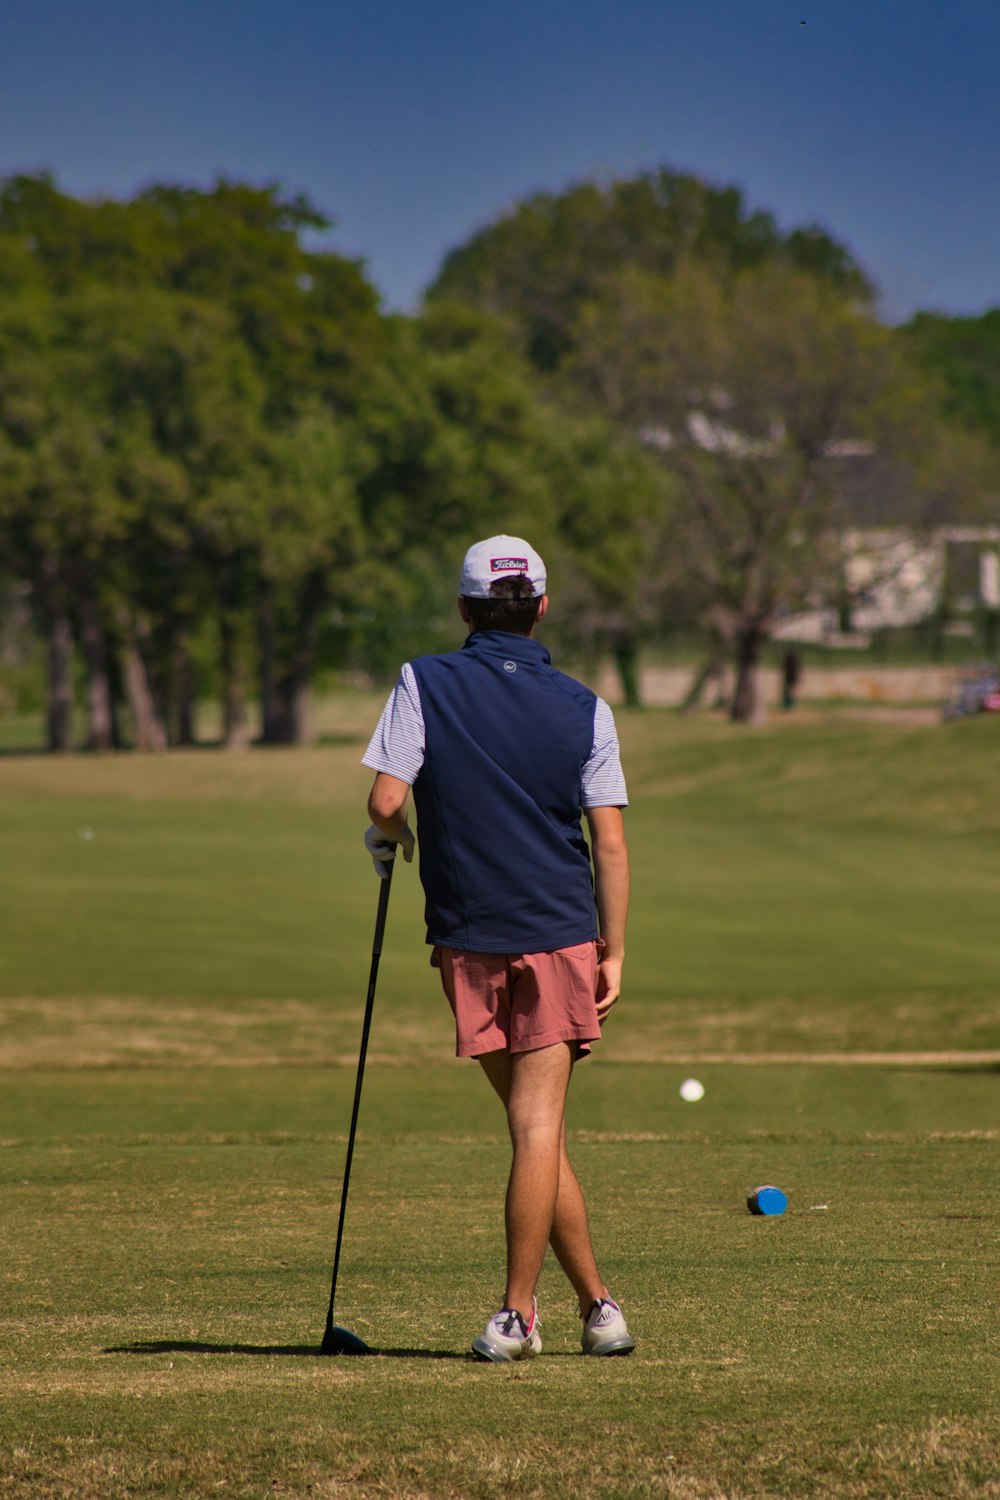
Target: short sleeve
{"x":603,"y":780}
{"x":397,"y":746}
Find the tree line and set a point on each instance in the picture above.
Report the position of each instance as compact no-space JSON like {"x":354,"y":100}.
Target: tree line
{"x":218,"y":455}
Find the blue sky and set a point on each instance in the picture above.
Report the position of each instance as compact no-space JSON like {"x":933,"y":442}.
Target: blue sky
{"x":412,"y":122}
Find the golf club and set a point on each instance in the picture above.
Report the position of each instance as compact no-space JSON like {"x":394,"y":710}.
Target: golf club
{"x":339,"y":1340}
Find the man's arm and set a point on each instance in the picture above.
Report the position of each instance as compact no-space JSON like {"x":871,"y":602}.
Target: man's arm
{"x":387,"y":810}
{"x":396,"y":745}
{"x":387,"y":805}
{"x":611,"y":885}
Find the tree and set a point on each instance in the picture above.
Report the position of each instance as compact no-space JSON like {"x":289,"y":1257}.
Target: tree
{"x":759,"y":394}
{"x":310,"y":547}
{"x":174,"y":385}
{"x":60,"y":506}
{"x":29,"y":549}
{"x":576,"y":276}
{"x":451,"y":440}
{"x":963,"y":356}
{"x":154,"y":355}
{"x":612,"y":551}
{"x":141,"y":401}
{"x":539,"y":264}
{"x":308,"y":317}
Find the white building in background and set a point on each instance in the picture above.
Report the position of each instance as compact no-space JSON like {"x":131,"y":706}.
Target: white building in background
{"x":895,"y":578}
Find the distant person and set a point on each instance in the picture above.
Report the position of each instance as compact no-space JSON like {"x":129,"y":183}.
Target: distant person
{"x":503,"y":753}
{"x":791,"y":674}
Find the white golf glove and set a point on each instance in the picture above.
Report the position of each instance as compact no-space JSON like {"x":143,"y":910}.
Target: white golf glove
{"x":383,"y":850}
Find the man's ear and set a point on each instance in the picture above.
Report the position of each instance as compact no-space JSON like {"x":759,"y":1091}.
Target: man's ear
{"x":463,"y":611}
{"x":543,"y":607}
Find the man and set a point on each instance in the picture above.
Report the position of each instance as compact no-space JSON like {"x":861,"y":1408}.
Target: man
{"x":502,"y":753}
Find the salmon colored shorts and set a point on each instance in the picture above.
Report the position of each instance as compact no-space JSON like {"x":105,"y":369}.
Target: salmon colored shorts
{"x":519,"y":1002}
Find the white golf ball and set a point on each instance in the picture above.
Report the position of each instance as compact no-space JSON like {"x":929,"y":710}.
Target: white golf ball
{"x":692,"y":1090}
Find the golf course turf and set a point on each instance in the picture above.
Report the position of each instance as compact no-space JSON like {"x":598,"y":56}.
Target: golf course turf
{"x":186,"y":953}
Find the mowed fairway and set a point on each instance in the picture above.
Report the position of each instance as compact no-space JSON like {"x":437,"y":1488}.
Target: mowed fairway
{"x":185,"y":955}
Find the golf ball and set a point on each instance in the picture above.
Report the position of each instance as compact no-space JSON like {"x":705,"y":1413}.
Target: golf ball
{"x":692,"y":1090}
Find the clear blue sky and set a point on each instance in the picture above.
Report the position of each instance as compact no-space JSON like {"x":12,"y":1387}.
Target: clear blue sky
{"x":412,"y":122}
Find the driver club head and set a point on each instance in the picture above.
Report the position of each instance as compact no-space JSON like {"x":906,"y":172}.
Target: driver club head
{"x":342,"y":1341}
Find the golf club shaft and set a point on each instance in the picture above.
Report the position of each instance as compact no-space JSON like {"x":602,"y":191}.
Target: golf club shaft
{"x":383,"y":908}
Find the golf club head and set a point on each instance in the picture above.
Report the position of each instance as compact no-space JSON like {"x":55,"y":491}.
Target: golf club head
{"x":341,"y":1341}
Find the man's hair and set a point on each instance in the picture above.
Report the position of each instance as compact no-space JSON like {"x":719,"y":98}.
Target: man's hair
{"x":512,"y":606}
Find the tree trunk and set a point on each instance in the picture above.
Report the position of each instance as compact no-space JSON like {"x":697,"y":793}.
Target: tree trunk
{"x":626,"y":657}
{"x":60,"y":711}
{"x":235,"y":719}
{"x":991,"y":630}
{"x":119,"y":699}
{"x":293,"y":690}
{"x":100,"y":725}
{"x":185,"y":703}
{"x":710,"y":671}
{"x":59,"y":717}
{"x":301,"y":703}
{"x":177,"y":708}
{"x":147,"y":724}
{"x":287,"y":699}
{"x":275,"y":719}
{"x":300,"y":697}
{"x":281,"y":721}
{"x":746,"y":707}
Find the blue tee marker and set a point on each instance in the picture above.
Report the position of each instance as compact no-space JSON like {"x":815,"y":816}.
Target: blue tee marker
{"x":767,"y":1200}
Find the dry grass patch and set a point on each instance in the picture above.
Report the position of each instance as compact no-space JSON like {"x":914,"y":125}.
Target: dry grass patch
{"x":135,"y":1032}
{"x":920,"y":1028}
{"x":112,"y":1032}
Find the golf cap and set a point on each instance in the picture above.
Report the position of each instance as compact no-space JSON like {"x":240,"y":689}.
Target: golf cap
{"x":500,"y":557}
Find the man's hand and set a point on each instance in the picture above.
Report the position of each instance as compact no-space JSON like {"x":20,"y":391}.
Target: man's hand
{"x":609,"y":984}
{"x":383,"y":849}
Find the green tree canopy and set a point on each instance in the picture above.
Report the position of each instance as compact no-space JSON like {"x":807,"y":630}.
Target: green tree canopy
{"x":541,"y":262}
{"x":153,"y":355}
{"x":308,"y":317}
{"x":963,"y":354}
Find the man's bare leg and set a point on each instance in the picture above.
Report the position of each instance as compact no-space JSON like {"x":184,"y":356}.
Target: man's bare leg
{"x":544,"y":1200}
{"x":570,"y":1237}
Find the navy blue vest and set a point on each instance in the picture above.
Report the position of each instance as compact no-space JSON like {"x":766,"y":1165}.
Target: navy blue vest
{"x":503,"y":861}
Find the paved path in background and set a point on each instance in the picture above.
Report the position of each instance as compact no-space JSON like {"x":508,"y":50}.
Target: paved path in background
{"x":667,"y":687}
{"x":987,"y":1058}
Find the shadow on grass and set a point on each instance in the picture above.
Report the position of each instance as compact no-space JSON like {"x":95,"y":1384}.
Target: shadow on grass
{"x":302,"y":1351}
{"x":963,"y":1067}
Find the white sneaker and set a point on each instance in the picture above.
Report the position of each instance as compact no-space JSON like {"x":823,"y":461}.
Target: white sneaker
{"x":605,"y":1330}
{"x":506,"y":1337}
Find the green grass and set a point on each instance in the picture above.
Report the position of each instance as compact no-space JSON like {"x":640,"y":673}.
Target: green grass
{"x":166,"y":1248}
{"x":179,"y":1021}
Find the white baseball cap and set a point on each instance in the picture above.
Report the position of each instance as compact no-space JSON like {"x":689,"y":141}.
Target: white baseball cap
{"x":500,"y":557}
